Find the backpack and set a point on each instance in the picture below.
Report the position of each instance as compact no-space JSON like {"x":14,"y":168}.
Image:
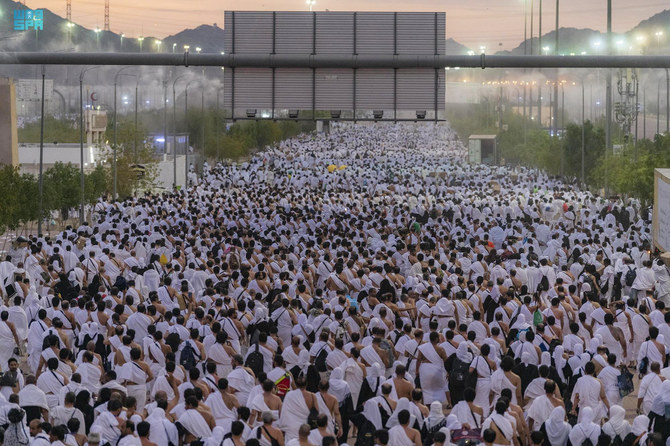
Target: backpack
{"x":320,"y":360}
{"x":94,"y":285}
{"x":427,"y":435}
{"x":616,"y":441}
{"x":121,"y":283}
{"x":255,"y":361}
{"x":544,"y":284}
{"x":188,"y":356}
{"x":459,"y":373}
{"x":625,"y":382}
{"x":631,"y":274}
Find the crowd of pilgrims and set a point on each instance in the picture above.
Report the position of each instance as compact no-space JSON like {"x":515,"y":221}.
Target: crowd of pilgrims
{"x":365,"y":286}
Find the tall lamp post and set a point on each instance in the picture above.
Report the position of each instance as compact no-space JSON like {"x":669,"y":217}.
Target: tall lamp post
{"x":116,"y":80}
{"x":97,"y":38}
{"x":137,"y":98}
{"x":186,"y":119}
{"x":81,"y":141}
{"x":174,"y":129}
{"x":311,"y":4}
{"x":40,"y":217}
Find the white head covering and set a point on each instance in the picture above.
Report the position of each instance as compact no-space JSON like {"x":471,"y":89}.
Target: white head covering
{"x":463,"y":354}
{"x":556,"y":427}
{"x":559,"y":361}
{"x":403,"y":404}
{"x":640,"y":425}
{"x":338,"y":386}
{"x":545,"y":359}
{"x":453,"y":423}
{"x":435,"y":416}
{"x":594,"y":343}
{"x":617,"y":420}
{"x":371,"y":413}
{"x":520,"y":323}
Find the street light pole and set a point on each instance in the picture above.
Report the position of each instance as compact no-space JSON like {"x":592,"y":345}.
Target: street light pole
{"x":608,"y":98}
{"x":218,"y":143}
{"x":174,"y":130}
{"x":583,"y":134}
{"x":116,"y":79}
{"x":136,"y":126}
{"x":186,"y":119}
{"x":667,"y":101}
{"x":81,"y":141}
{"x":202,"y":107}
{"x":40,"y":217}
{"x":165,"y":122}
{"x":557,"y":72}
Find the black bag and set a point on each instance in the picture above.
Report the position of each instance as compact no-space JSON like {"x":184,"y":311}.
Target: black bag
{"x":366,"y":433}
{"x":625,"y":382}
{"x":94,"y":285}
{"x":255,"y":361}
{"x":427,"y":435}
{"x":313,"y":415}
{"x":460,"y":372}
{"x":320,"y":360}
{"x":188,"y":356}
{"x":273,"y":440}
{"x":631,"y":275}
{"x":605,"y":288}
{"x":544,"y":284}
{"x":121,"y":283}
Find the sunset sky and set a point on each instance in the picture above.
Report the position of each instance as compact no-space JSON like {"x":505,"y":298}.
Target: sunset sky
{"x":470,"y":22}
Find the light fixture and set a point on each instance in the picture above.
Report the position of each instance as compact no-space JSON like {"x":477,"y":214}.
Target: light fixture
{"x":378,"y":114}
{"x":335,"y":114}
{"x":251,"y":113}
{"x":421,"y":114}
{"x":293,"y":114}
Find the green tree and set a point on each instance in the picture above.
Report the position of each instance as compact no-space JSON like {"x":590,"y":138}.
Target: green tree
{"x":59,"y":130}
{"x":62,"y":188}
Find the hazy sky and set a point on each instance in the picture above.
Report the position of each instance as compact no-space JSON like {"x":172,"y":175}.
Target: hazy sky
{"x":471,"y":22}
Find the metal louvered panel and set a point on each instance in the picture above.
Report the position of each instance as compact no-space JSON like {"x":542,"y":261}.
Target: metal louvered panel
{"x":334,"y":33}
{"x":416,"y":34}
{"x":334,"y":89}
{"x":253,"y":32}
{"x":374,"y":33}
{"x":374,"y":90}
{"x":227,"y":88}
{"x":293,"y":88}
{"x":253,"y":89}
{"x":416,"y":89}
{"x":294,"y":32}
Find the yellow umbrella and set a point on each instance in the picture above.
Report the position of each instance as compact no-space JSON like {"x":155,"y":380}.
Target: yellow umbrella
{"x":331,"y":168}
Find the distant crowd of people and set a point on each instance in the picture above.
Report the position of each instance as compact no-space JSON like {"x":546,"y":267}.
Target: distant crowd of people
{"x":366,"y":285}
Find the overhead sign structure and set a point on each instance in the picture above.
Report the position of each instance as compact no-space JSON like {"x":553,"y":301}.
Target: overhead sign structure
{"x":337,"y":92}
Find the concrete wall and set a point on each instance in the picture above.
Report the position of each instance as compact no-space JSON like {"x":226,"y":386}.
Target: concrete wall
{"x":165,"y":174}
{"x":8,"y":131}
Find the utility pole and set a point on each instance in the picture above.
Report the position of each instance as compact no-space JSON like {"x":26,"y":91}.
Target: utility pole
{"x":608,"y":98}
{"x":539,"y":52}
{"x":40,"y":216}
{"x":557,"y":76}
